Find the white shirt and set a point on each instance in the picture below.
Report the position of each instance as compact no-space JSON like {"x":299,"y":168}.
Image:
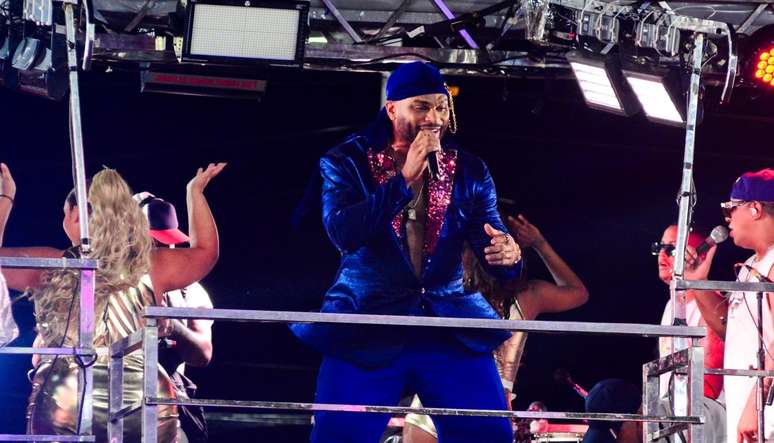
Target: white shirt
{"x":693,"y":318}
{"x":742,"y":346}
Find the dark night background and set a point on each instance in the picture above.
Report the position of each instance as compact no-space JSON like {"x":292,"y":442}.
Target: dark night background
{"x":599,"y":186}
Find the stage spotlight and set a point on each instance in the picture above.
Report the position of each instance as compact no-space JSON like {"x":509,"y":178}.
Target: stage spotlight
{"x":602,"y":84}
{"x":39,"y":69}
{"x":764,"y":69}
{"x":758,"y":58}
{"x":660,"y":94}
{"x":242,"y":32}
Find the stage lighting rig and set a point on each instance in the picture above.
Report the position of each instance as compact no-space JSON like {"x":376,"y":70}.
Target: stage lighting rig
{"x":241,"y":32}
{"x":759,"y":59}
{"x":601,"y":83}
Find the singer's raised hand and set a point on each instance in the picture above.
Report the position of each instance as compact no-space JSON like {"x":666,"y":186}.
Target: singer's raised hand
{"x":427,"y":140}
{"x":203,"y":177}
{"x":503,"y":250}
{"x":697,"y":267}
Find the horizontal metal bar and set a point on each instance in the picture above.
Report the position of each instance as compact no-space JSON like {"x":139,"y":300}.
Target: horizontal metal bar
{"x":40,"y":262}
{"x":260,"y":419}
{"x":126,"y":345}
{"x":445,"y":322}
{"x":716,"y":285}
{"x":126,"y":411}
{"x":739,"y":372}
{"x":16,"y":437}
{"x":661,"y":433}
{"x":425,"y":411}
{"x":668,"y":363}
{"x":47,"y":351}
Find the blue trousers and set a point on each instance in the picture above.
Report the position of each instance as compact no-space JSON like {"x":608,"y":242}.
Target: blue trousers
{"x":439,"y":369}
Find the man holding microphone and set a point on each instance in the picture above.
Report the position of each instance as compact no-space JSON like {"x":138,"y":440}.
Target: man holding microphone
{"x":399,"y":201}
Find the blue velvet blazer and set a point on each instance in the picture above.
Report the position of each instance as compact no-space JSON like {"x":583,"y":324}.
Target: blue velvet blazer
{"x":362,"y":204}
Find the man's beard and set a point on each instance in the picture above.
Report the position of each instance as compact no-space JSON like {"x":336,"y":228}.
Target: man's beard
{"x":408,"y":132}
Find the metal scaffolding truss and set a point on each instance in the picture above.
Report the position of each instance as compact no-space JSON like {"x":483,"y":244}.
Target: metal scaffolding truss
{"x":355,"y":35}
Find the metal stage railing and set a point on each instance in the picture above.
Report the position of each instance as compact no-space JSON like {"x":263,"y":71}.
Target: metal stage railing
{"x":692,"y":359}
{"x":85,"y":346}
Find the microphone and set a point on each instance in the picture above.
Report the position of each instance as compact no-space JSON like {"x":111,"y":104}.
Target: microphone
{"x":432,"y":164}
{"x":718,"y":235}
{"x":760,"y":277}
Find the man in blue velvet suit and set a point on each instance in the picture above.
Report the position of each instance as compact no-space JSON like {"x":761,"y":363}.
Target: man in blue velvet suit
{"x":401,"y":232}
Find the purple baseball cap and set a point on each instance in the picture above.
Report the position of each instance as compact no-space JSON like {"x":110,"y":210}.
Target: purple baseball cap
{"x":754,"y":186}
{"x":162,"y":219}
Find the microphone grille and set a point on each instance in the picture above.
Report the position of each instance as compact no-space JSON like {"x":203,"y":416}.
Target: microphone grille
{"x":719,"y":234}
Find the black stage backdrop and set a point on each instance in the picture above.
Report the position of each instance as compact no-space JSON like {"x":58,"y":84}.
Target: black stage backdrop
{"x":599,"y":186}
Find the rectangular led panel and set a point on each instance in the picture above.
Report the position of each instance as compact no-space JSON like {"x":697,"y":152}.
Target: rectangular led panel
{"x":654,"y":98}
{"x":242,"y":32}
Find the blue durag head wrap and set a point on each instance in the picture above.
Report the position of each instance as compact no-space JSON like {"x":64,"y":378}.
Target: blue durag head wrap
{"x":413,"y":79}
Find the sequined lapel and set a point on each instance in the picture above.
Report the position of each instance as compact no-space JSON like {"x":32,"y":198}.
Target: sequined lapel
{"x":383,"y":168}
{"x":439,"y":196}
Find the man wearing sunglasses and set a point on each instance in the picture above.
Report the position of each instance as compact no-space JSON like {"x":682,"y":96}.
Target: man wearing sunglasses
{"x":715,"y":428}
{"x":750,"y":217}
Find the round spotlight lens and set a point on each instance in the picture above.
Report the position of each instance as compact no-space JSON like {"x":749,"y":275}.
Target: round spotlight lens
{"x":768,"y":77}
{"x":760,"y":73}
{"x":771,"y":52}
{"x":762,"y":65}
{"x":769,"y":69}
{"x":764,"y":56}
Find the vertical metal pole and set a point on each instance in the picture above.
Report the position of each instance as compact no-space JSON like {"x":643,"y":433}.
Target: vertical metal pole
{"x":86,"y":321}
{"x":760,"y":398}
{"x":680,"y":392}
{"x":86,"y":341}
{"x":150,"y":348}
{"x":116,"y":398}
{"x":76,"y":134}
{"x":650,"y":397}
{"x":696,"y":391}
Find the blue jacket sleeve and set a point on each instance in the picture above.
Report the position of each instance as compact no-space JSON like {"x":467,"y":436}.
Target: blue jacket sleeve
{"x":351,"y":214}
{"x":485,"y":211}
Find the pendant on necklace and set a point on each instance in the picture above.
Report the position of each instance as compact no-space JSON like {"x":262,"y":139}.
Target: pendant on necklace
{"x":411,"y":213}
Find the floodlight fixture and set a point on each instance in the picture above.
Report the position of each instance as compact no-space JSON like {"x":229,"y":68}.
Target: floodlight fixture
{"x":602,"y":84}
{"x":660,"y":93}
{"x":40,"y":68}
{"x":244,"y":32}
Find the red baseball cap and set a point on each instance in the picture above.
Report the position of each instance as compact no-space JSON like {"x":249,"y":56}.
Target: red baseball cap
{"x":162,"y":219}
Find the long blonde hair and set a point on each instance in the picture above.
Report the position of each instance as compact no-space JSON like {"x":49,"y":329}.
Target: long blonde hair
{"x":120,"y":244}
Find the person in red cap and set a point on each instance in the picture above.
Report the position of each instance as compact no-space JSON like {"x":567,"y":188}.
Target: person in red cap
{"x":131,"y":274}
{"x":183,"y":342}
{"x":750,"y":217}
